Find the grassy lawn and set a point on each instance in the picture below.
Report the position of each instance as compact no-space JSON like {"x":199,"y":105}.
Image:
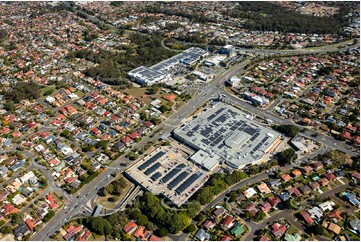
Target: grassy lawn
{"x":353,"y":236}
{"x":80,"y":94}
{"x":340,"y":223}
{"x":292,"y":230}
{"x":299,"y":179}
{"x":268,"y":195}
{"x":58,"y":237}
{"x":104,"y":200}
{"x":97,"y":237}
{"x":327,"y":234}
{"x":58,"y":200}
{"x":45,"y":89}
{"x":321,"y":172}
{"x":325,"y":189}
{"x":139,"y":93}
{"x":315,"y":193}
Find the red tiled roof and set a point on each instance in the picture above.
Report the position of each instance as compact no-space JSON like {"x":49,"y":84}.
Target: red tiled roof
{"x":307,"y":217}
{"x":9,"y":208}
{"x":227,"y":221}
{"x":294,"y":191}
{"x":356,"y":139}
{"x":208,"y":224}
{"x":170,"y":97}
{"x":134,"y":135}
{"x":30,"y":223}
{"x":154,"y":238}
{"x":274,"y":200}
{"x":141,"y":233}
{"x":127,"y":140}
{"x":314,"y":185}
{"x":346,"y":135}
{"x":130,"y":227}
{"x":335,"y":214}
{"x":286,"y":177}
{"x":330,"y":176}
{"x":265,"y":207}
{"x":96,"y":131}
{"x":252,"y":209}
{"x":226,"y":238}
{"x":263,"y":238}
{"x":148,"y":124}
{"x":278,"y":229}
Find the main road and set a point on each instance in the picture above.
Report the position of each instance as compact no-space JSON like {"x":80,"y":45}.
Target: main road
{"x":211,"y":91}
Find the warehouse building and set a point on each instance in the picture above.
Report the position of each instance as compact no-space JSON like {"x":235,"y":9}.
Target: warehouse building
{"x":146,"y":76}
{"x":229,"y":133}
{"x":158,"y":73}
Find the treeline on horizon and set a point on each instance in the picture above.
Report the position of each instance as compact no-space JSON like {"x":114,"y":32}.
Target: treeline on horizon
{"x":267,"y":16}
{"x":113,"y":67}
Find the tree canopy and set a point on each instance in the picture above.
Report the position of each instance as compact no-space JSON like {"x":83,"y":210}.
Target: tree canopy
{"x":114,"y":66}
{"x":100,"y":225}
{"x":151,"y":206}
{"x":287,"y":156}
{"x":22,"y":90}
{"x":218,"y":183}
{"x":267,"y":16}
{"x":288,"y":130}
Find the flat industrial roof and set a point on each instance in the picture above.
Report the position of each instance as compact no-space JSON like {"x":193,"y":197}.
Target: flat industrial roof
{"x":229,"y":133}
{"x":157,"y":71}
{"x":165,"y":171}
{"x":146,"y":74}
{"x":209,"y":162}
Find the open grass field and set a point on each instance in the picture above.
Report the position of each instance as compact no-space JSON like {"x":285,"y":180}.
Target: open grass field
{"x":45,"y":89}
{"x":109,"y":205}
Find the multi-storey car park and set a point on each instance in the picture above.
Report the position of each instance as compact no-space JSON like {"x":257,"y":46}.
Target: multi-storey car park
{"x":223,"y":133}
{"x":166,"y":172}
{"x":158,"y":72}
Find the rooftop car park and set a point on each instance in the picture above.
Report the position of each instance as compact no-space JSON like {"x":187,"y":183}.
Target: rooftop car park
{"x":165,"y":171}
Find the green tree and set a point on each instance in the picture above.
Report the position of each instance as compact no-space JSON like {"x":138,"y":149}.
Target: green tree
{"x":152,"y":90}
{"x":65,"y":133}
{"x":109,"y":188}
{"x":5,"y":230}
{"x":288,"y":204}
{"x":288,"y":130}
{"x":48,"y":216}
{"x":319,"y":229}
{"x":100,"y":226}
{"x":206,"y":195}
{"x":105,"y":192}
{"x":164,"y":108}
{"x":287,"y":156}
{"x":108,"y":229}
{"x":232,"y":196}
{"x":48,"y":92}
{"x":260,"y":216}
{"x":135,"y":214}
{"x":15,"y":219}
{"x":191,"y":228}
{"x":142,"y":220}
{"x":179,"y":222}
{"x":162,"y":232}
{"x":101,"y":144}
{"x":200,"y":217}
{"x":192,"y":209}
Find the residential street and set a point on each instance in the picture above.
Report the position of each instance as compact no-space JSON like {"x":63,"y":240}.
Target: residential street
{"x":288,"y":215}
